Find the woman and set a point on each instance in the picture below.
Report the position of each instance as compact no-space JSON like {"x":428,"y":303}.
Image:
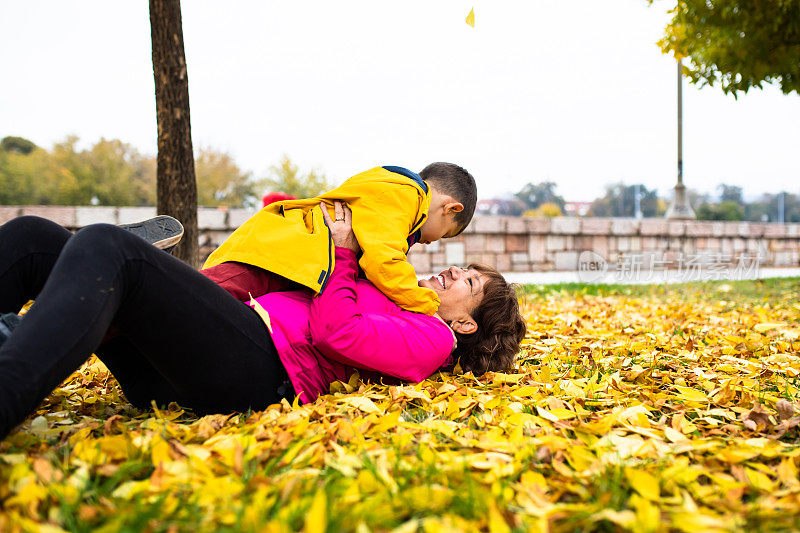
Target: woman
{"x":168,"y":333}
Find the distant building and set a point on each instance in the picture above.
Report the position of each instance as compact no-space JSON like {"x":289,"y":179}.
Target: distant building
{"x":576,"y":209}
{"x":499,"y":206}
{"x":488,"y":207}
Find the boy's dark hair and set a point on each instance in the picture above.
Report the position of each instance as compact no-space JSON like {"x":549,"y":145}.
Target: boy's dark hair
{"x":454,"y":181}
{"x":501,"y":328}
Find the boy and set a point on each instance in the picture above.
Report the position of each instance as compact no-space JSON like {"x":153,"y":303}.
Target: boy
{"x":392,"y":207}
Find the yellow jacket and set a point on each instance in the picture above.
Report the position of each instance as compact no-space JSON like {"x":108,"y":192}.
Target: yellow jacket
{"x":290,"y":238}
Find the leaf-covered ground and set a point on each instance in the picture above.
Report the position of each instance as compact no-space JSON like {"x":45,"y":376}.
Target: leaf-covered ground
{"x":640,"y":409}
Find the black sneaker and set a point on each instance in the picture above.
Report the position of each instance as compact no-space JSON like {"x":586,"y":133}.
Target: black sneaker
{"x":163,"y":231}
{"x":8,"y":322}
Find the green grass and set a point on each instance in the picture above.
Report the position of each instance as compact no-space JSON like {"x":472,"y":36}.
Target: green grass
{"x":773,"y":289}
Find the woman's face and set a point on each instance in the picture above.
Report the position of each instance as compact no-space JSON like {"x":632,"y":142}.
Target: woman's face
{"x":461,"y":291}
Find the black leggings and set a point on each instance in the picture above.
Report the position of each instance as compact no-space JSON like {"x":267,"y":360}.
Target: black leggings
{"x":178,"y":336}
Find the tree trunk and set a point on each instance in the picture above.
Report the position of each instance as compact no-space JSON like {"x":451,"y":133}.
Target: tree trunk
{"x":176,"y":185}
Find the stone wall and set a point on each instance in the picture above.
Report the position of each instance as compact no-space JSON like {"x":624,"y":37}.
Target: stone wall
{"x":514,"y":244}
{"x":521,"y":244}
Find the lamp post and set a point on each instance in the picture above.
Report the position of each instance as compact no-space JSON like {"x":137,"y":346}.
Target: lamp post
{"x":680,"y":208}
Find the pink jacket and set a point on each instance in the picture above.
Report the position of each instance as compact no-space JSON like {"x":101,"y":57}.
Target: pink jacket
{"x":352,"y":326}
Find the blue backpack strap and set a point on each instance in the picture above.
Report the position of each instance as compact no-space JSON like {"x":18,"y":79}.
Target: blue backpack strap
{"x":409,"y":174}
{"x":414,"y":237}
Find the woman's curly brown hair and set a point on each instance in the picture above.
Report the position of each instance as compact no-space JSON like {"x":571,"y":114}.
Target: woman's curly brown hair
{"x":501,"y":328}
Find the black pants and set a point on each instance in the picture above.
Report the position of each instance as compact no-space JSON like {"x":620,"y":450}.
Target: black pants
{"x":179,"y":337}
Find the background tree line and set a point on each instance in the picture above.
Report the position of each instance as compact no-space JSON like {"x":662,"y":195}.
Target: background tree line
{"x":111,"y":172}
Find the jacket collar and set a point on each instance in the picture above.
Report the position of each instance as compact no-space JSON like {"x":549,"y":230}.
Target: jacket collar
{"x":409,"y":174}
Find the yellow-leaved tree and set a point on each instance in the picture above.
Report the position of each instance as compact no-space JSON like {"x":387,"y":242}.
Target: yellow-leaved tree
{"x":220,"y":181}
{"x":286,"y":177}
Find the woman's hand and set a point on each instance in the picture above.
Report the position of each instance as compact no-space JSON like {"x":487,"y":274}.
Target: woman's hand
{"x":342,"y":227}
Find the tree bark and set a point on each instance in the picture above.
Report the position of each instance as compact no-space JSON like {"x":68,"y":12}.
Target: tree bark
{"x":176,"y":185}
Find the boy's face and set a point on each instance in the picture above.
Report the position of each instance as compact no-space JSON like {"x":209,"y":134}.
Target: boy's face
{"x":438,"y":226}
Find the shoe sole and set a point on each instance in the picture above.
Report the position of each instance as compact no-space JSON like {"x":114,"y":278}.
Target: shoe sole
{"x":162,"y":231}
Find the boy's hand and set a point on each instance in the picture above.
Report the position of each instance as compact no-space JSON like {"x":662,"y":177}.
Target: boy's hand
{"x":342,"y":227}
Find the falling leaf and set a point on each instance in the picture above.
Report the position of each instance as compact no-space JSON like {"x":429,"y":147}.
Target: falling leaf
{"x":471,"y":17}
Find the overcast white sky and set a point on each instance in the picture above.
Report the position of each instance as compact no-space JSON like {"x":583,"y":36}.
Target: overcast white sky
{"x":574,"y":91}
